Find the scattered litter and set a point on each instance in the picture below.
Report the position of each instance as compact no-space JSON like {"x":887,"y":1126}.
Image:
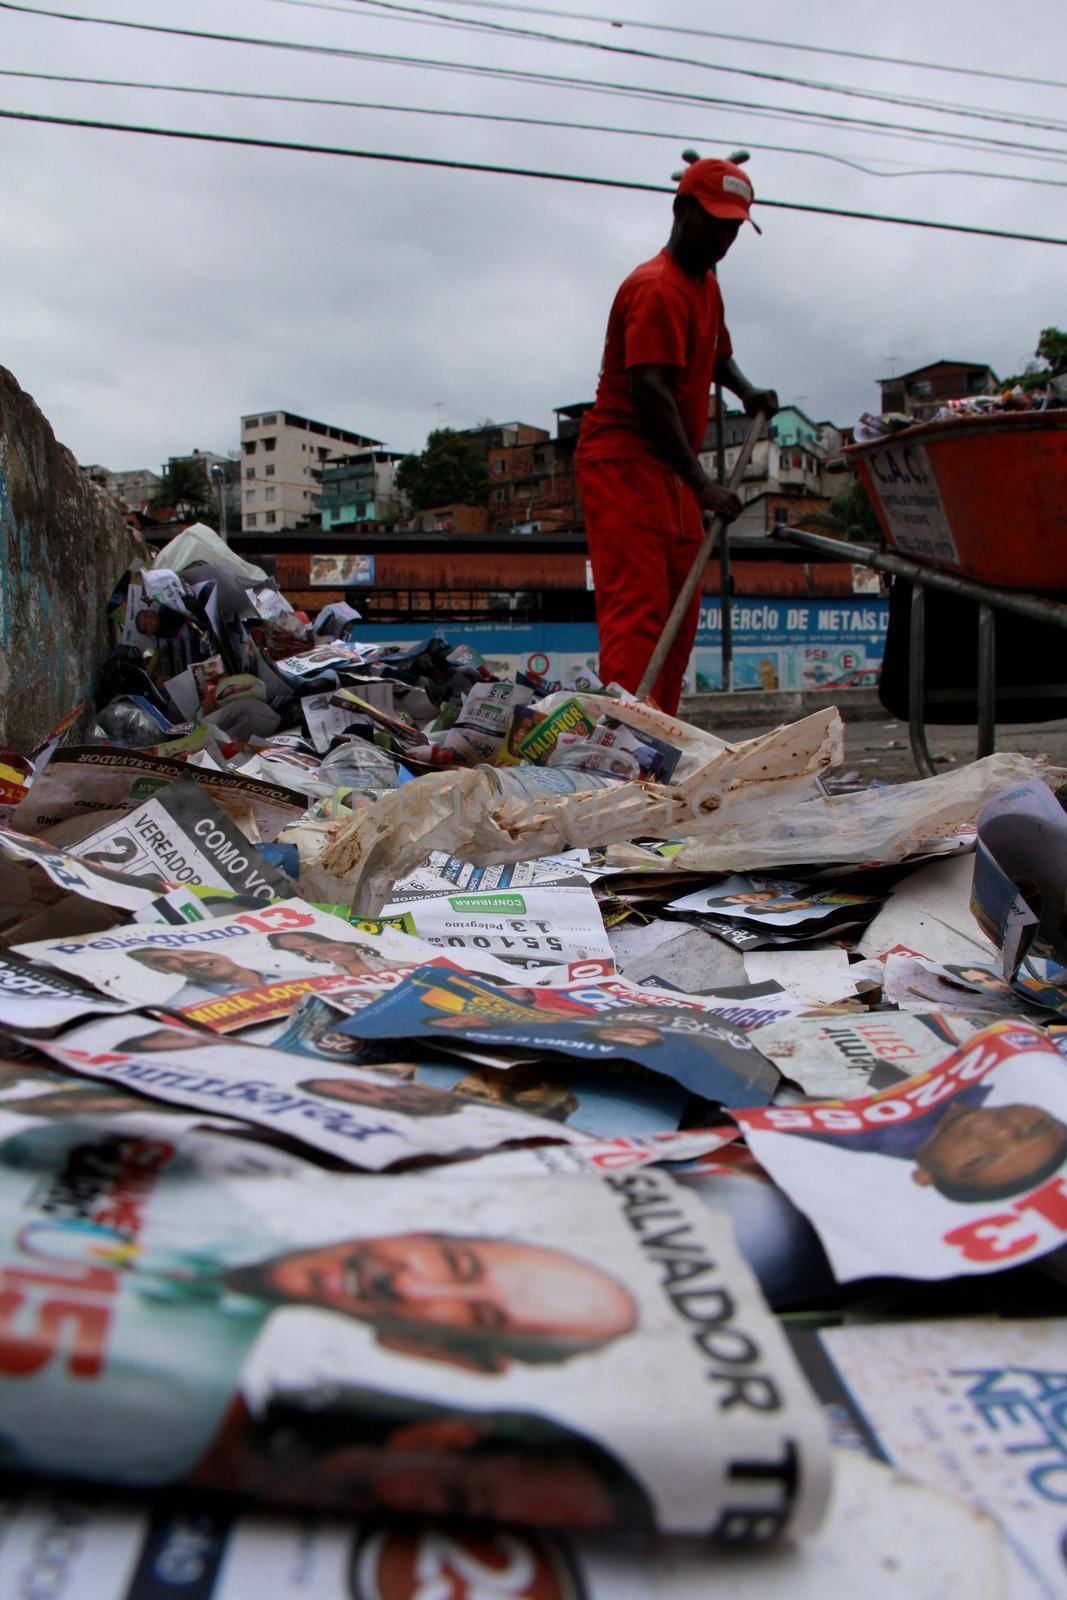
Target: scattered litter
{"x":422,"y":1093}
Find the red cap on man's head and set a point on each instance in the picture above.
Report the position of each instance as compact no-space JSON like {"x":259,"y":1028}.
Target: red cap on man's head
{"x":721,"y":188}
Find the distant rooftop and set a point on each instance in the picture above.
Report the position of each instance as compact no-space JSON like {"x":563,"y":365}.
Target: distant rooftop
{"x":942,"y":361}
{"x":269,"y":419}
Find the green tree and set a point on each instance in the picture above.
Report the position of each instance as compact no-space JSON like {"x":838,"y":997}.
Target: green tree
{"x":850,"y":515}
{"x":1052,"y":349}
{"x":185,"y":487}
{"x":1052,"y":352}
{"x":450,"y":471}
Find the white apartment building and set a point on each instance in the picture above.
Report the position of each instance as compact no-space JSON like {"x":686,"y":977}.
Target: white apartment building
{"x":280,"y":454}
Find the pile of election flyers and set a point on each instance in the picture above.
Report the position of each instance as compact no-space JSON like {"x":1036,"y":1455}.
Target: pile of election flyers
{"x":473,"y":1138}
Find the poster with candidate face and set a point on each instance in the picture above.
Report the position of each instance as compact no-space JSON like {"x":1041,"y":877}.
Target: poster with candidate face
{"x":682,"y":1037}
{"x":958,"y":1170}
{"x":205,"y":1311}
{"x":178,"y":966}
{"x":369,"y":1119}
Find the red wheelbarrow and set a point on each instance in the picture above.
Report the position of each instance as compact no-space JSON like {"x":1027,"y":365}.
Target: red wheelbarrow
{"x":983,"y":496}
{"x":976,"y":506}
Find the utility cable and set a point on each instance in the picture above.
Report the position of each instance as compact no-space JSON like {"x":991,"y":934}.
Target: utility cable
{"x":732,"y":38}
{"x":535,"y":122}
{"x":507,"y":171}
{"x":401,"y":11}
{"x":515,"y":75}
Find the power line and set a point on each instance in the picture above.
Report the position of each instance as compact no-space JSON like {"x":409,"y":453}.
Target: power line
{"x":507,"y":171}
{"x":537,"y":122}
{"x":402,"y":11}
{"x":516,"y":75}
{"x":734,"y":38}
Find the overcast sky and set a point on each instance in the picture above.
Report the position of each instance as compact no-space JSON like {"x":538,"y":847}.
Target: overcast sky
{"x":152,"y":291}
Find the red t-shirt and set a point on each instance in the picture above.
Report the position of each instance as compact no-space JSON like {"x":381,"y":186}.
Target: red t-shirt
{"x":661,"y":318}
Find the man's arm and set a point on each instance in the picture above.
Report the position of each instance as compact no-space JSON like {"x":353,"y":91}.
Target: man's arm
{"x":657,"y":412}
{"x":729,"y":374}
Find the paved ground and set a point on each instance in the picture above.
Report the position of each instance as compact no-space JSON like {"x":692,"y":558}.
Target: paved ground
{"x":879,"y":749}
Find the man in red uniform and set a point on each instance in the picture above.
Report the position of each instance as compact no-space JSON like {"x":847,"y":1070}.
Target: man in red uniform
{"x":642,"y":486}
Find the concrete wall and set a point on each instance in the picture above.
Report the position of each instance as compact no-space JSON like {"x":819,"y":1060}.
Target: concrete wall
{"x":63,"y":545}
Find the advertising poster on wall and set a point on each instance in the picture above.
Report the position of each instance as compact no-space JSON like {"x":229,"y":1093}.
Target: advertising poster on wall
{"x":790,"y":644}
{"x":778,"y":644}
{"x":334,"y":571}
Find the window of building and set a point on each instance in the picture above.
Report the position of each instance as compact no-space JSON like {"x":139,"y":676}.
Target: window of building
{"x":268,"y":422}
{"x":782,"y":514}
{"x":499,"y":465}
{"x":500,"y":495}
{"x":250,"y":447}
{"x":268,"y":444}
{"x":250,"y":519}
{"x":539,"y":458}
{"x":270,"y":470}
{"x":250,"y":472}
{"x":250,"y":494}
{"x":271,"y":517}
{"x":269,"y":494}
{"x":251,"y":422}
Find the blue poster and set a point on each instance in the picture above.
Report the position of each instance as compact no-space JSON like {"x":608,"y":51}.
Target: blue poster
{"x":778,"y":644}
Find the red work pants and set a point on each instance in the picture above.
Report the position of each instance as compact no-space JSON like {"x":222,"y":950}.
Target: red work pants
{"x":644,"y":528}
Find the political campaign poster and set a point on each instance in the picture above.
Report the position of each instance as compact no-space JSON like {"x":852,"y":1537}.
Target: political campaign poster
{"x":325,"y":657}
{"x":324,"y":720}
{"x":159,"y":964}
{"x":182,"y":837}
{"x":448,"y":874}
{"x":679,"y":1036}
{"x":33,"y":1087}
{"x":300,"y":1338}
{"x":680,"y":1150}
{"x":36,"y":1001}
{"x":894,"y":1536}
{"x":776,"y":904}
{"x":79,"y":780}
{"x":525,"y":928}
{"x":67,"y":871}
{"x":915,"y":983}
{"x":601,"y":1103}
{"x":958,"y":1170}
{"x":778,"y":1243}
{"x":368,"y":1119}
{"x":843,"y":1057}
{"x":976,"y":1407}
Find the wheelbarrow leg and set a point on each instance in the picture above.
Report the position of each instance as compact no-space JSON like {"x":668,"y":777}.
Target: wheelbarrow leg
{"x":987,"y":680}
{"x":917,"y":684}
